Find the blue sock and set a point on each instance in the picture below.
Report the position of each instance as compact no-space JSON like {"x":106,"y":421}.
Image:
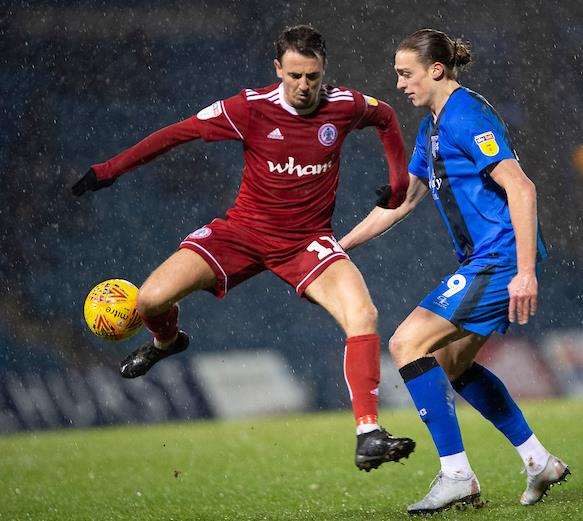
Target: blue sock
{"x":486,"y":393}
{"x":433,"y":396}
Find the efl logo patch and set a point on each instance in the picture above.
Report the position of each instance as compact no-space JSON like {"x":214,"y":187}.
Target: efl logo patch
{"x":212,"y":111}
{"x":201,"y":233}
{"x":373,"y":102}
{"x":327,"y":134}
{"x":487,"y":143}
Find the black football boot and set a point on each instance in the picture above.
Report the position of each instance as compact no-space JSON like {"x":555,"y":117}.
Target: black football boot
{"x":143,"y":358}
{"x":376,"y":447}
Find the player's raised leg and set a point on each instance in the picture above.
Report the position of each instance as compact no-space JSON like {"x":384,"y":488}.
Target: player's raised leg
{"x":341,"y":290}
{"x":484,"y":391}
{"x":412,"y":346}
{"x":182,"y":273}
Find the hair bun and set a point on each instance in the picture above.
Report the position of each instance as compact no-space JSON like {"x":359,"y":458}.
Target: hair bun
{"x":433,"y":46}
{"x":462,"y":54}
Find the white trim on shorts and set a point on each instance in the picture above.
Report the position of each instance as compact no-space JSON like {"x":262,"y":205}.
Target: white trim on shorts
{"x":327,"y":259}
{"x":192,"y":243}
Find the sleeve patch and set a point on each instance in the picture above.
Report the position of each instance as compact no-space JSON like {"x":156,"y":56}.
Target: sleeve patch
{"x":487,"y":143}
{"x":373,"y":102}
{"x":212,"y":111}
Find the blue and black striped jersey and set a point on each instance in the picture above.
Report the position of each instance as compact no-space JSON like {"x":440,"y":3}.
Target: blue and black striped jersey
{"x":455,"y":155}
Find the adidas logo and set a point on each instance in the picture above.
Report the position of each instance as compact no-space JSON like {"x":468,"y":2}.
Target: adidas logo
{"x":275,"y":134}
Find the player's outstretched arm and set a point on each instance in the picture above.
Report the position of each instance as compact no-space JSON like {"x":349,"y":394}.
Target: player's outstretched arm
{"x":90,"y":182}
{"x":381,"y":219}
{"x":521,"y":193}
{"x":382,"y":116}
{"x":104,"y":174}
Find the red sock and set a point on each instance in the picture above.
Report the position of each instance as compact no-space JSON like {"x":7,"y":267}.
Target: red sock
{"x":362,"y":371}
{"x":164,"y":327}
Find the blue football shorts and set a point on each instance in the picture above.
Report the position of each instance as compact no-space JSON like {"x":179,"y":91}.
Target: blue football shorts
{"x":475,"y":297}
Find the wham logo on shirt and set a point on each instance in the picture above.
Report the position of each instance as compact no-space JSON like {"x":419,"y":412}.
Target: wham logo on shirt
{"x":291,"y":168}
{"x":487,"y":143}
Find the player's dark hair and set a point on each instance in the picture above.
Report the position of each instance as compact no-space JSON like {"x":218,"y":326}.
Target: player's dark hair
{"x":435,"y":46}
{"x":302,"y":39}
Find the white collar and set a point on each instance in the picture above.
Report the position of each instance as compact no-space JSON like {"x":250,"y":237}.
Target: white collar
{"x":292,"y":110}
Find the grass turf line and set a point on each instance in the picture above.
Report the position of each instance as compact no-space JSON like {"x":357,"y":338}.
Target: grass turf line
{"x":286,"y":468}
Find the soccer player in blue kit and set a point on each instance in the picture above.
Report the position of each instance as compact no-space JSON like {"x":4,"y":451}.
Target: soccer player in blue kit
{"x":464,"y":158}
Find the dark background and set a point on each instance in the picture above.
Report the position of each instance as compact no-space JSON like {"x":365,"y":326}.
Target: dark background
{"x":80,"y":81}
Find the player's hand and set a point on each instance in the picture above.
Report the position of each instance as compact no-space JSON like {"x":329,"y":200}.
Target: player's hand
{"x":90,"y":182}
{"x":523,"y":291}
{"x":384,"y":192}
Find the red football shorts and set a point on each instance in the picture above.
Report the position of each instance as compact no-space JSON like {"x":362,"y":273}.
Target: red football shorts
{"x":236,"y":253}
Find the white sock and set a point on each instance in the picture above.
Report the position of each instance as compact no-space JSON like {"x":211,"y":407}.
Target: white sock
{"x":534,"y":455}
{"x":456,"y":466}
{"x":367,"y":427}
{"x":164,"y":345}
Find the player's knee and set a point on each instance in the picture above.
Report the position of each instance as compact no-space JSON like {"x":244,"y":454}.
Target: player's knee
{"x":403,"y":349}
{"x":362,"y":319}
{"x":396,"y":347}
{"x":151,"y":301}
{"x":370,"y":315}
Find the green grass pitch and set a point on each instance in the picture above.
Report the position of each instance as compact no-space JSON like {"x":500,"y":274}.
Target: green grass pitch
{"x":285,"y":468}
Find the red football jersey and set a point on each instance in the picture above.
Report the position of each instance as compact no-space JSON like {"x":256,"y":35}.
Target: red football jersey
{"x":291,"y":157}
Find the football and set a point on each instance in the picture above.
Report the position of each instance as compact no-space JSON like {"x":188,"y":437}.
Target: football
{"x":110,"y":310}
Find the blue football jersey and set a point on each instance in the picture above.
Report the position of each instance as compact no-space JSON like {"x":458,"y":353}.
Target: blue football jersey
{"x":453,"y":155}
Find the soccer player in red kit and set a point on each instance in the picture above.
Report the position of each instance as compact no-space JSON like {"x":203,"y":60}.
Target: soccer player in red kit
{"x":292,"y":133}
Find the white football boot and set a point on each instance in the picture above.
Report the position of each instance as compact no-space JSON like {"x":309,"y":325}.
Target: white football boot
{"x":446,"y":492}
{"x":537,"y":486}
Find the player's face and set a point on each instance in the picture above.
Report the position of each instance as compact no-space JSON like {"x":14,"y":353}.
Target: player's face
{"x":415,"y":79}
{"x":301,"y":77}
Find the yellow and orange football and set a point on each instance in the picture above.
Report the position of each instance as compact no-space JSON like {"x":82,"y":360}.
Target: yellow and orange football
{"x":110,"y":310}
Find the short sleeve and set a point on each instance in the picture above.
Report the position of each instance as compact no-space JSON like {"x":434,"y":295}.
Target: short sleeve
{"x":418,"y":163}
{"x":225,"y":119}
{"x":483,"y":136}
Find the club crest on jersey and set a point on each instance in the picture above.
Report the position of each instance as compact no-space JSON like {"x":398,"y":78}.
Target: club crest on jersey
{"x":487,"y":143}
{"x":212,"y":111}
{"x":327,"y":134}
{"x":434,"y":146}
{"x":201,"y":233}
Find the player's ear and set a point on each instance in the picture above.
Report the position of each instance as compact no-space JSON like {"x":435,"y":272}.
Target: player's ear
{"x":437,"y":71}
{"x":278,"y":69}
